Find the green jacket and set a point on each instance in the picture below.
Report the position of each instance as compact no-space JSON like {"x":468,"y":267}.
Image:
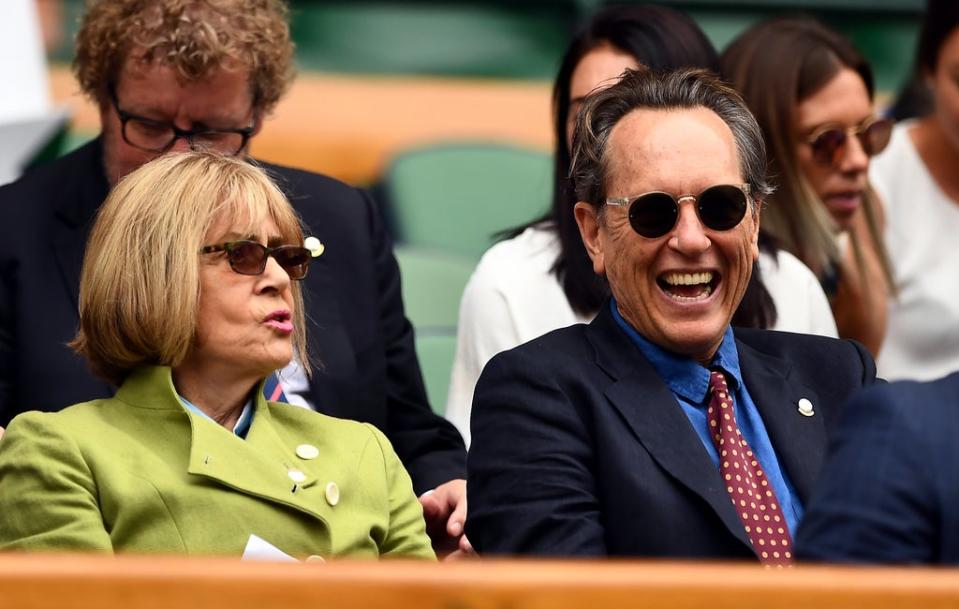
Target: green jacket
{"x":140,"y":473}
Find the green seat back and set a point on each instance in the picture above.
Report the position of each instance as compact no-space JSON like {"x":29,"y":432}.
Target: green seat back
{"x":477,"y":38}
{"x":456,"y":197}
{"x":435,"y":351}
{"x":432,"y":285}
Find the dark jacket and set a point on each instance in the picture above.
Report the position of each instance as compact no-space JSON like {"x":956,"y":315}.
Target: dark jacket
{"x":890,"y":488}
{"x":580,"y":449}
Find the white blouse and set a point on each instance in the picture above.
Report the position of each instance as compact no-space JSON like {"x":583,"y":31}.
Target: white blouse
{"x":922,"y":228}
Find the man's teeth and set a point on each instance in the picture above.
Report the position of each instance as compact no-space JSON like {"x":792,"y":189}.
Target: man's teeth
{"x":707,"y":290}
{"x":688,"y":278}
{"x":688,"y":287}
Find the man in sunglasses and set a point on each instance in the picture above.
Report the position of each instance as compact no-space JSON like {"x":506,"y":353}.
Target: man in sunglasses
{"x":657,"y":430}
{"x":170,"y":76}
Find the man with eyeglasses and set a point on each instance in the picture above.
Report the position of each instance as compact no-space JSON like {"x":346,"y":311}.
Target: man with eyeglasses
{"x":170,"y":76}
{"x":657,"y":430}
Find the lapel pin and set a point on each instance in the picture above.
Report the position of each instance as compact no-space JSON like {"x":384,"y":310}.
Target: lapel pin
{"x":805,"y":408}
{"x":314,"y":245}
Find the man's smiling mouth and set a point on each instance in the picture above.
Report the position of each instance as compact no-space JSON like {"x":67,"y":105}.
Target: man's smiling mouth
{"x":688,"y":287}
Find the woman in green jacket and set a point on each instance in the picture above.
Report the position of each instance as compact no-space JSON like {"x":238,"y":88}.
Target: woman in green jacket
{"x":188,"y":303}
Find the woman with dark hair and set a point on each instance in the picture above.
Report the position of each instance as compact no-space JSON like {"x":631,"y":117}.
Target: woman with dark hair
{"x":812,"y":94}
{"x":918,"y":180}
{"x":541,"y":278}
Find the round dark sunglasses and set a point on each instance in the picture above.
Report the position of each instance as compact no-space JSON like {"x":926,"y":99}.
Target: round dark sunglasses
{"x":654,"y":214}
{"x":249,"y":257}
{"x":829,"y":142}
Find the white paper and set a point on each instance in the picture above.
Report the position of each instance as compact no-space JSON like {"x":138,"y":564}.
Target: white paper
{"x":258,"y":548}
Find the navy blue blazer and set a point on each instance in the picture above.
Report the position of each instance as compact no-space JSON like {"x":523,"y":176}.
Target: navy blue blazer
{"x":357,"y":326}
{"x":580,"y":449}
{"x":890,"y":489}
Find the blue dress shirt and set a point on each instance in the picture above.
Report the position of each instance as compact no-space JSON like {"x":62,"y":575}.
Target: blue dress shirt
{"x":689,"y":382}
{"x":243,"y":424}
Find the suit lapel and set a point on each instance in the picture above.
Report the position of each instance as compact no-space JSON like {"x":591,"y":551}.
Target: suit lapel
{"x":69,"y":243}
{"x":327,"y":340}
{"x":74,"y":217}
{"x":657,"y":420}
{"x":798,"y":440}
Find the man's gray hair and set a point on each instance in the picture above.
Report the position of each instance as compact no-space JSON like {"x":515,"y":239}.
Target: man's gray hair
{"x":687,"y":88}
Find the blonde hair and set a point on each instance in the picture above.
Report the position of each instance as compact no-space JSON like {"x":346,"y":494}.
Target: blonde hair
{"x":140,"y":284}
{"x":194,"y":37}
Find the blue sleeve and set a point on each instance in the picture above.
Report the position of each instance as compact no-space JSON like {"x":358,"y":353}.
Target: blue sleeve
{"x":876,"y":501}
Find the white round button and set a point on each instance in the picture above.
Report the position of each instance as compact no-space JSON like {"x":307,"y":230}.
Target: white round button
{"x":296,"y":475}
{"x":315,"y":558}
{"x":307,"y":451}
{"x":332,"y":493}
{"x":805,"y":407}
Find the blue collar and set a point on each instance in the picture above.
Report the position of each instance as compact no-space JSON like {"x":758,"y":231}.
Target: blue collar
{"x":685,"y":376}
{"x":243,"y":423}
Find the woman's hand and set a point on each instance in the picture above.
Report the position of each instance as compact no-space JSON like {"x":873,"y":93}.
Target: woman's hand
{"x":860,"y":305}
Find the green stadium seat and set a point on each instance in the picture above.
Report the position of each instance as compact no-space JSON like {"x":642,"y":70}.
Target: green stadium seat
{"x":435,"y":351}
{"x":432,"y":285}
{"x":482,"y":38}
{"x":456,"y":197}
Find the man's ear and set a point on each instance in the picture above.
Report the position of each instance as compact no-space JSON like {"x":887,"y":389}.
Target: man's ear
{"x":754,"y":238}
{"x":257,"y":121}
{"x":104,"y":108}
{"x":587,"y":219}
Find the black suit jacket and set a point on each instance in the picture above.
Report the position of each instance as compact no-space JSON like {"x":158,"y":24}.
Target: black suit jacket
{"x":357,"y":327}
{"x":890,"y":489}
{"x":580,"y":448}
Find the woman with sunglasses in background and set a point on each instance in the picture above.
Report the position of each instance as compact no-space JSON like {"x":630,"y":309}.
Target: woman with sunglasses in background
{"x":189,"y":300}
{"x":918,"y":179}
{"x":541,"y":278}
{"x":811,"y":93}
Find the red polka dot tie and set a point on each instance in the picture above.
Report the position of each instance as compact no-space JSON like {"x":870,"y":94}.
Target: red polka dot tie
{"x":751,"y":493}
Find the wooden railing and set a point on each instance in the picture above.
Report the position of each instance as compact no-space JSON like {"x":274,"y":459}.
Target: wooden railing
{"x":29,"y":581}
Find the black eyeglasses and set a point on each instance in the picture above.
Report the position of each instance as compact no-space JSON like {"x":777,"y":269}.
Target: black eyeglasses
{"x":829,"y":141}
{"x":249,"y":257}
{"x":158,"y":136}
{"x":654,"y":214}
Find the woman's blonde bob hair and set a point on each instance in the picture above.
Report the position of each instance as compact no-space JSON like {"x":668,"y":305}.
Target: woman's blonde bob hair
{"x":140,"y":284}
